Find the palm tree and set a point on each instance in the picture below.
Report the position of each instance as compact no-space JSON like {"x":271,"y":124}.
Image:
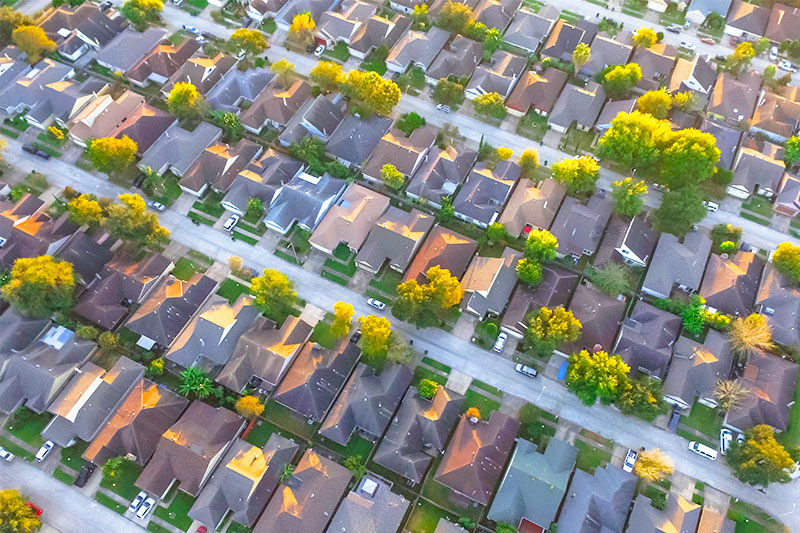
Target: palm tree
{"x":195,"y":381}
{"x":729,"y":395}
{"x":288,"y":470}
{"x":748,"y":335}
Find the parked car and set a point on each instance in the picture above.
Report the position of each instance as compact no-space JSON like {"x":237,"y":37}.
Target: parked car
{"x":689,"y":46}
{"x":740,"y":438}
{"x":711,"y":206}
{"x":318,"y":51}
{"x":177,"y":2}
{"x":674,"y":418}
{"x":105,"y":6}
{"x":703,"y":450}
{"x":773,"y":53}
{"x":355,"y":337}
{"x":500,"y":343}
{"x":231,"y":223}
{"x":377,"y":304}
{"x":526,"y":370}
{"x":137,"y":501}
{"x":708,"y":40}
{"x":37,"y":511}
{"x":725,"y":438}
{"x":191,"y":29}
{"x":630,"y":460}
{"x":44,"y":451}
{"x":85,"y":473}
{"x":145,"y":508}
{"x":31,"y":149}
{"x":674,"y":28}
{"x":158,"y":206}
{"x":443,"y":107}
{"x":787,"y":66}
{"x":6,"y":455}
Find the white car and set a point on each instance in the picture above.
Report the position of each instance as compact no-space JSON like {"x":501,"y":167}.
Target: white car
{"x":740,"y":438}
{"x":630,"y":460}
{"x":137,"y":501}
{"x":377,"y":304}
{"x":231,"y":223}
{"x":443,"y":107}
{"x":773,"y":53}
{"x":787,"y":66}
{"x":44,"y":451}
{"x":319,"y":51}
{"x":526,"y":370}
{"x":6,"y":455}
{"x":191,"y":29}
{"x":500,"y":343}
{"x":145,"y":508}
{"x":711,"y":206}
{"x":158,"y":206}
{"x":703,"y":450}
{"x":725,"y":438}
{"x":689,"y":46}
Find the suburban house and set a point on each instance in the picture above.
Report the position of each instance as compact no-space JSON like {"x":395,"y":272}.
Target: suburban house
{"x":696,"y":368}
{"x":370,"y":507}
{"x":699,"y":10}
{"x":244,"y":482}
{"x":485,"y":192}
{"x":218,"y":165}
{"x":404,"y":6}
{"x":537,"y":92}
{"x":395,"y":238}
{"x":376,"y":31}
{"x":697,"y":75}
{"x":418,"y":433}
{"x":712,"y":520}
{"x":260,"y":10}
{"x":76,"y":30}
{"x":201,"y":71}
{"x":580,"y":227}
{"x":88,"y":255}
{"x":611,"y":110}
{"x":177,"y":148}
{"x":161,"y":63}
{"x":528,"y":29}
{"x":318,"y":118}
{"x":656,"y":63}
{"x":190,"y":450}
{"x":734,"y":99}
{"x":600,"y":316}
{"x":27,"y":231}
{"x":261,"y":179}
{"x":316,"y":377}
{"x":600,"y":500}
{"x":731,"y":283}
{"x":59,"y":102}
{"x":237,"y":87}
{"x":349,"y":220}
{"x":728,"y":139}
{"x":303,"y":201}
{"x":776,"y":117}
{"x":406,"y":153}
{"x":747,"y":21}
{"x":579,"y":106}
{"x":129,"y":48}
{"x":474,"y":460}
{"x":459,"y":59}
{"x":562,"y":41}
{"x":366,"y":403}
{"x":489,"y":281}
{"x":677,"y":265}
{"x":17,"y":332}
{"x":416,"y":49}
{"x":292,"y":8}
{"x":787,"y":201}
{"x":646,"y":339}
{"x":627,"y":241}
{"x":680,"y":514}
{"x":443,"y":248}
{"x":757,"y":171}
{"x":497,"y":76}
{"x":606,"y":51}
{"x":440,"y":174}
{"x":532,"y":206}
{"x":145,"y":126}
{"x":103,"y":116}
{"x":778,"y":299}
{"x":554,"y":291}
{"x":275,"y":105}
{"x":342,"y":25}
{"x":32,"y":92}
{"x":783,"y":24}
{"x":495,"y":13}
{"x":354,"y":139}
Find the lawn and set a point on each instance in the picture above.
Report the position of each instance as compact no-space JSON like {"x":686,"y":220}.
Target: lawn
{"x":339,"y":51}
{"x":791,"y":437}
{"x":590,"y":457}
{"x":260,"y":434}
{"x":107,"y":501}
{"x":175,"y":514}
{"x":322,"y":335}
{"x":199,"y":4}
{"x":751,"y":519}
{"x":342,"y":252}
{"x":375,"y":65}
{"x":355,"y":446}
{"x":177,"y":38}
{"x":27,"y":426}
{"x":236,"y":527}
{"x":152,"y":526}
{"x":17,"y":450}
{"x":242,"y":237}
{"x":704,"y":419}
{"x":759,"y":206}
{"x":436,"y":364}
{"x":345,"y":269}
{"x":47,"y":149}
{"x":533,"y":126}
{"x":421,"y":373}
{"x":184,"y":269}
{"x":334,"y":278}
{"x":488,"y":388}
{"x":441,"y":495}
{"x":123,"y":485}
{"x":209,"y":207}
{"x":232,"y":289}
{"x":753,"y":218}
{"x":284,"y":417}
{"x":63,"y":476}
{"x":269,"y":26}
{"x":425,"y":517}
{"x":387,"y":282}
{"x":71,"y":456}
{"x":200,"y":218}
{"x":485,"y":405}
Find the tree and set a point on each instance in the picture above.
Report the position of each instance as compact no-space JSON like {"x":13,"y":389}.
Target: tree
{"x":86,"y":332}
{"x":751,"y":334}
{"x":374,"y":93}
{"x":634,"y":140}
{"x":786,"y":260}
{"x":504,"y":154}
{"x":375,"y":333}
{"x":274,"y":293}
{"x":16,"y":516}
{"x":505,"y":527}
{"x":454,"y":17}
{"x":288,"y":471}
{"x":301,"y":31}
{"x":184,"y":101}
{"x":391,"y":177}
{"x":355,"y":464}
{"x":328,"y":75}
{"x":541,"y":245}
{"x":760,"y":459}
{"x":129,"y":220}
{"x":645,"y":37}
{"x":529,"y":271}
{"x":39,"y":286}
{"x":255,"y":207}
{"x":689,"y":157}
{"x":399,"y":352}
{"x":449,"y":93}
{"x":528,"y":162}
{"x":140,"y":12}
{"x":613,"y":279}
{"x":693,"y":315}
{"x":578,"y":174}
{"x":229,"y":123}
{"x":596,"y":375}
{"x":427,"y":388}
{"x":490,"y":105}
{"x":549,"y":328}
{"x":284,"y":71}
{"x":642,"y":397}
{"x":235,"y":263}
{"x":33,"y":41}
{"x":761,"y":46}
{"x":791,"y":154}
{"x":658,"y":103}
{"x":618,"y":80}
{"x":343,"y":318}
{"x":628,"y":195}
{"x":84,"y":210}
{"x":249,"y":407}
{"x":580,"y":56}
{"x":420,"y":16}
{"x":195,"y":381}
{"x":684,"y":101}
{"x":473,"y":412}
{"x":109,"y":155}
{"x":491,"y":42}
{"x":10,"y":20}
{"x":424,"y":305}
{"x":112,"y":468}
{"x":741,"y":57}
{"x":729,"y":394}
{"x":155,"y":367}
{"x":496,"y":232}
{"x":653,"y":465}
{"x":251,"y":42}
{"x":679,"y":211}
{"x":109,"y":341}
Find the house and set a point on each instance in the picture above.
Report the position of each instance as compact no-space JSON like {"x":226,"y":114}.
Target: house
{"x":136,"y":427}
{"x":145,"y":126}
{"x":696,"y":368}
{"x":306,"y":500}
{"x":747,"y":21}
{"x":275,"y":105}
{"x":260,"y":10}
{"x":366,"y":403}
{"x":528,"y":29}
{"x":713,"y":521}
{"x":376,"y":31}
{"x":677,"y":265}
{"x":33,"y":92}
{"x":443,"y":248}
{"x":316,"y":377}
{"x":237,"y":88}
{"x":130,"y":47}
{"x":696,"y":76}
{"x":354,"y":139}
{"x":261,"y":179}
{"x":440,"y":174}
{"x":190,"y":450}
{"x":776,"y":117}
{"x":771,"y":382}
{"x":12,"y":68}
{"x":37,"y":372}
{"x":757,"y":171}
{"x":606,"y":51}
{"x":532,"y":206}
{"x":680,"y":514}
{"x":554,"y":291}
{"x":600,"y":500}
{"x":418,"y":433}
{"x":76,"y":30}
{"x":783,"y":24}
{"x":318,"y":118}
{"x":562,"y":41}
{"x":731,"y":283}
{"x":177,"y":148}
{"x":534,"y":483}
{"x":734,"y":99}
{"x":656,"y":63}
{"x":208,"y":340}
{"x":699,"y":10}
{"x":218,"y":165}
{"x":201,"y":71}
{"x":303,"y":200}
{"x":787,"y":201}
{"x":727,"y":139}
{"x":395,"y":239}
{"x":292,"y":8}
{"x":343,"y":25}
{"x":627,"y":241}
{"x":161,"y":63}
{"x":474,"y":460}
{"x":87,"y":255}
{"x":168,"y":308}
{"x":121,"y":284}
{"x":89,"y":400}
{"x":778,"y":299}
{"x":580,"y":227}
{"x":405,"y":153}
{"x":263,"y":353}
{"x":416,"y":49}
{"x":646,"y":339}
{"x":600,"y":316}
{"x":27,"y":231}
{"x":495,"y":13}
{"x":611,"y":110}
{"x":459,"y":59}
{"x":244,"y":482}
{"x":497,"y":76}
{"x":103,"y":116}
{"x":349,"y":220}
{"x":371,"y":507}
{"x":485,"y":192}
{"x":489,"y":281}
{"x":579,"y":106}
{"x":537,"y":92}
{"x":58,"y":102}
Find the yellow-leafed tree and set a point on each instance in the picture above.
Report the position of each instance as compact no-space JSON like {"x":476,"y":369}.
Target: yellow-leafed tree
{"x":84,"y":210}
{"x":343,"y":318}
{"x":39,"y":286}
{"x":249,"y":407}
{"x":302,"y":28}
{"x":108,"y":154}
{"x":33,"y":41}
{"x":130,"y":220}
{"x":16,"y":516}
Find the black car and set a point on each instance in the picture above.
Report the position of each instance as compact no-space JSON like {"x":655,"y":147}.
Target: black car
{"x":674,"y":419}
{"x":31,"y":149}
{"x":137,"y":183}
{"x":356,"y":337}
{"x":84,"y":474}
{"x":105,"y":5}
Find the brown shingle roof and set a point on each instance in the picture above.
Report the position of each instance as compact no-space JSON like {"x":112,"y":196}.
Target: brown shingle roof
{"x":444,"y":248}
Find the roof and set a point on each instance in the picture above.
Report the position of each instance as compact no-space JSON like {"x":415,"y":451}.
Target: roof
{"x":554,"y":291}
{"x":730,"y":284}
{"x":136,"y":427}
{"x":539,"y":91}
{"x":656,"y":63}
{"x":18,"y":331}
{"x":495,"y":13}
{"x":394,"y":238}
{"x":599,"y":501}
{"x":262,"y":178}
{"x":634,"y":236}
{"x":350,"y":219}
{"x":378,"y":30}
{"x":441,"y":172}
{"x":245,"y":480}
{"x":727,"y":139}
{"x":443,"y":248}
{"x":676,"y":262}
{"x":86,"y":19}
{"x":764,"y":168}
{"x":316,"y":377}
{"x":614,"y":108}
{"x":606,"y":51}
{"x":580,"y":227}
{"x":236,"y":86}
{"x":201,"y":71}
{"x":164,"y":60}
{"x":130,"y":47}
{"x":444,"y":526}
{"x":62,"y":100}
{"x":288,"y":11}
{"x":498,"y":75}
{"x":104,"y":115}
{"x":304,"y":200}
{"x":680,"y":514}
{"x":418,"y":432}
{"x":486,"y":190}
{"x":190,"y":448}
{"x":778,"y":299}
{"x":646,"y":339}
{"x":788,"y":197}
{"x":355,"y":139}
{"x":178,"y":148}
{"x":474,"y":460}
{"x":534,"y":483}
{"x":734,"y":99}
{"x":319,"y":117}
{"x":784,"y":23}
{"x":696,"y":368}
{"x":748,"y":17}
{"x":777,"y":115}
{"x":219,"y":164}
{"x":145,"y":126}
{"x":489,"y":281}
{"x":29,"y":86}
{"x":712,"y":521}
{"x":459,"y":59}
{"x":306,"y":501}
{"x":405,"y":153}
{"x":342,"y":25}
{"x":169,"y":307}
{"x":370,"y":508}
{"x":264,"y":352}
{"x":771,"y":382}
{"x":367,"y":402}
{"x":600,"y":316}
{"x":706,"y":7}
{"x":86,"y":255}
{"x":276,"y":104}
{"x":697,"y":74}
{"x":562,"y":41}
{"x":29,"y":231}
{"x":417,"y":48}
{"x":528,"y":29}
{"x":579,"y":104}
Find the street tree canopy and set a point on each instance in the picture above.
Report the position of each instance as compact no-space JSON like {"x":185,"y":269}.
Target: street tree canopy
{"x":425,"y":304}
{"x":375,"y":333}
{"x":541,"y":245}
{"x":108,"y":154}
{"x":302,"y":28}
{"x":130,"y":220}
{"x":84,"y":209}
{"x":549,"y":328}
{"x":679,"y":210}
{"x":618,"y":80}
{"x":658,"y":103}
{"x":328,"y":75}
{"x":579,"y":174}
{"x":140,"y":12}
{"x":628,"y":196}
{"x":787,"y":260}
{"x":39,"y":286}
{"x":760,"y":459}
{"x":11,"y":19}
{"x":597,"y":375}
{"x":251,"y":42}
{"x":374,"y":93}
{"x":343,"y":318}
{"x":634,"y":140}
{"x":491,"y":105}
{"x":645,"y":37}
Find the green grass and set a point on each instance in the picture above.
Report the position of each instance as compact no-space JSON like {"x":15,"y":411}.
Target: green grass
{"x":199,"y":4}
{"x":152,"y":526}
{"x":698,"y":499}
{"x":260,"y":434}
{"x":28,"y":427}
{"x":751,"y":519}
{"x":339,"y":52}
{"x":334,"y":278}
{"x":704,"y":419}
{"x":355,"y":446}
{"x":242,"y":237}
{"x":590,"y":457}
{"x":231,"y":290}
{"x":688,"y":435}
{"x":236,"y":527}
{"x":175,"y":514}
{"x":107,"y":501}
{"x":754,"y":218}
{"x":485,"y":405}
{"x":421,"y":373}
{"x":210,"y":208}
{"x":425,"y":517}
{"x":184,"y":269}
{"x":200,"y":218}
{"x":200,"y":257}
{"x":486,"y":335}
{"x":441,"y":495}
{"x":18,"y":123}
{"x":269,"y":26}
{"x":71,"y":456}
{"x":387,"y":282}
{"x":177,"y":38}
{"x":322,"y":335}
{"x":791,"y":437}
{"x":286,"y":257}
{"x":123,"y":485}
{"x":9,"y":133}
{"x":346,"y":269}
{"x":436,"y":364}
{"x":63,"y":476}
{"x":258,"y":229}
{"x":17,"y":450}
{"x":284,"y":417}
{"x":47,"y":149}
{"x":375,"y":65}
{"x":759,"y":206}
{"x":342,"y":252}
{"x":488,"y":388}
{"x":49,"y":139}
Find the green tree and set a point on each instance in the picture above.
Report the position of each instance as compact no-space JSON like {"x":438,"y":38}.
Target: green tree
{"x":628,"y":196}
{"x":391,"y":177}
{"x":284,"y":72}
{"x":644,"y":398}
{"x":613,"y":279}
{"x":10,"y":20}
{"x":791,"y":154}
{"x":343,"y":318}
{"x":490,"y":105}
{"x":87,"y":332}
{"x":786,"y":260}
{"x":760,"y":459}
{"x":399,"y":352}
{"x":375,"y":333}
{"x":491,"y":42}
{"x":679,"y":211}
{"x":427,"y":388}
{"x":496,"y":233}
{"x":374,"y":93}
{"x":529,"y":271}
{"x":39,"y":286}
{"x":16,"y":516}
{"x":195,"y":381}
{"x":274,"y":293}
{"x":597,"y":375}
{"x":251,"y":42}
{"x":528,"y":162}
{"x":505,"y":527}
{"x":129,"y":220}
{"x":155,"y":368}
{"x":355,"y":464}
{"x":185,"y":102}
{"x":328,"y":75}
{"x":619,"y":80}
{"x":84,"y":210}
{"x":761,"y":46}
{"x":693,"y":315}
{"x":645,"y":37}
{"x":424,"y":305}
{"x":658,"y":103}
{"x":634,"y":140}
{"x":33,"y":41}
{"x":230,"y":124}
{"x":684,"y":101}
{"x":449,"y":93}
{"x":110,"y":155}
{"x":454,"y":16}
{"x":255,"y":207}
{"x":541,"y":245}
{"x":579,"y":174}
{"x":420,"y":17}
{"x":109,"y":341}
{"x":140,"y":12}
{"x":550,"y":328}
{"x":581,"y":56}
{"x":689,"y":157}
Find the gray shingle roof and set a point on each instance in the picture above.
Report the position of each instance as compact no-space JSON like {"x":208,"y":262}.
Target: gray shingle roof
{"x":129,"y":47}
{"x":395,"y":238}
{"x":579,"y":105}
{"x":580,"y":227}
{"x":489,"y":281}
{"x":260,"y":179}
{"x":730,"y":285}
{"x":676,"y":263}
{"x":178,"y":148}
{"x":304,"y":200}
{"x":646,"y":339}
{"x":680,"y":515}
{"x":778,"y":299}
{"x":597,"y":502}
{"x":528,"y":29}
{"x":554,"y":291}
{"x":600,"y":316}
{"x":727,"y":141}
{"x":236,"y":86}
{"x":441,"y":173}
{"x":486,"y":191}
{"x":354,"y":139}
{"x":695,"y":367}
{"x":370,"y":508}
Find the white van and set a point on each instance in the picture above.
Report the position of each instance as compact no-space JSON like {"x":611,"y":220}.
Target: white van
{"x":702,"y":449}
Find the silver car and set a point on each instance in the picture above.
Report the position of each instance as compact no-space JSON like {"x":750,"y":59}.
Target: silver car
{"x":145,"y":508}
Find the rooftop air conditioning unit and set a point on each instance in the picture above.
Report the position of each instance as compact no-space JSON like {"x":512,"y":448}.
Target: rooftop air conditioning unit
{"x":3,"y":241}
